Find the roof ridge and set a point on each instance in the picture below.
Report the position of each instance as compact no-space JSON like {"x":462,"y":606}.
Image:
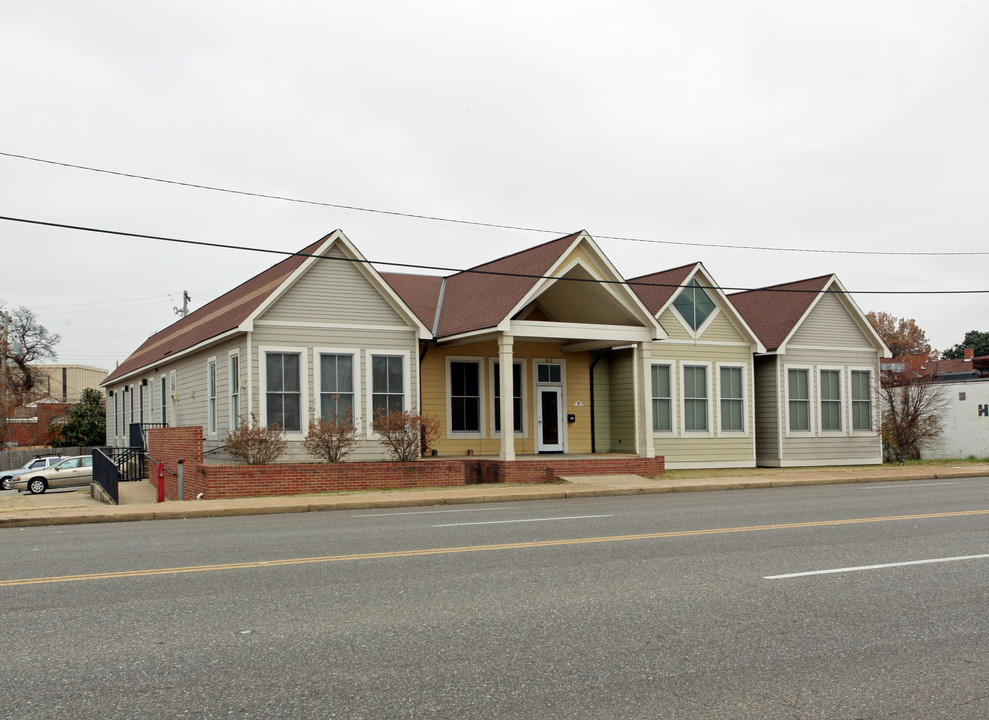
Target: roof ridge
{"x":523,"y":251}
{"x":663,"y":272}
{"x":780,"y":285}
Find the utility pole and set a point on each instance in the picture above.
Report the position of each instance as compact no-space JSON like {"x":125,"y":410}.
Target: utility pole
{"x":186,"y":299}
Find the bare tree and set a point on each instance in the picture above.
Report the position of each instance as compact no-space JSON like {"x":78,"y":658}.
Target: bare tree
{"x":256,"y":444}
{"x":406,"y":435}
{"x":332,"y":440}
{"x":913,"y":407}
{"x":23,"y":341}
{"x":28,"y":341}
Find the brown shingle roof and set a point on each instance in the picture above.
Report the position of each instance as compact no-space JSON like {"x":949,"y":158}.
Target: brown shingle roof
{"x":225,"y":313}
{"x":420,"y":292}
{"x":772,"y":312}
{"x":657,"y":289}
{"x":474,"y":300}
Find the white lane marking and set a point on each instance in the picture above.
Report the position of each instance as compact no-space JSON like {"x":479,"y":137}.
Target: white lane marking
{"x":882,"y":486}
{"x":432,"y":512}
{"x":503,"y":522}
{"x":876,"y":567}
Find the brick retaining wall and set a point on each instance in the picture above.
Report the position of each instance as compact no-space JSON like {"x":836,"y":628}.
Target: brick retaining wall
{"x":215,"y":481}
{"x":532,"y":470}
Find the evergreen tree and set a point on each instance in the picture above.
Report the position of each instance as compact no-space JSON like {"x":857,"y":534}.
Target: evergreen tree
{"x":86,"y":426}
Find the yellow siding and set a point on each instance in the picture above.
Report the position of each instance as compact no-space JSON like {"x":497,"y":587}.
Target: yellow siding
{"x":576,"y":388}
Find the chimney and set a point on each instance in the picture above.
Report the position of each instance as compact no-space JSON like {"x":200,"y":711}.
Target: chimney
{"x":969,"y":354}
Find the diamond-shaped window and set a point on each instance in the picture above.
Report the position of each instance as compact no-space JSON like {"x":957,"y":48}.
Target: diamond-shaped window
{"x":694,"y":304}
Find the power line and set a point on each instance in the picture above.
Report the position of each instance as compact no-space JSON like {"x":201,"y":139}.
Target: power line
{"x":474,"y":271}
{"x":477,"y":223}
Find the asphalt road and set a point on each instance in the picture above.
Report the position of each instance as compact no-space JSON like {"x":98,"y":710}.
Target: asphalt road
{"x":654,"y":606}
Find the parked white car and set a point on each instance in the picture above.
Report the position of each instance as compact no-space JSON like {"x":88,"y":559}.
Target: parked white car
{"x":41,"y":462}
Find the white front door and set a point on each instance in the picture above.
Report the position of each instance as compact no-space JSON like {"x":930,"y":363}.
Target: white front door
{"x":549,"y":419}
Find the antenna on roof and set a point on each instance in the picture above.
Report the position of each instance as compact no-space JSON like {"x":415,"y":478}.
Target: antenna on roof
{"x":186,"y":299}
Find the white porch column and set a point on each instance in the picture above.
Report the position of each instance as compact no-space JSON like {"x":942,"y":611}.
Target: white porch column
{"x":506,"y":402}
{"x":646,"y":447}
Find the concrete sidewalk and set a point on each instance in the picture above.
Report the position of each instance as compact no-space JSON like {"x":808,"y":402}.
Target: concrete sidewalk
{"x":138,"y":499}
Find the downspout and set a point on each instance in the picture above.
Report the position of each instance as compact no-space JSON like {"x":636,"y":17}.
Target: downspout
{"x":593,"y":434}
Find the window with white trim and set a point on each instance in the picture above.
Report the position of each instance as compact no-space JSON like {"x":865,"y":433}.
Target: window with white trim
{"x":830,"y":400}
{"x":116,"y":413}
{"x":517,"y":403}
{"x":387,"y":384}
{"x":211,"y":396}
{"x":234,"y":391}
{"x":861,"y":382}
{"x":140,"y":404}
{"x":464,"y":382}
{"x":798,"y":399}
{"x":131,"y":401}
{"x":731,"y":391}
{"x":662,"y":398}
{"x":164,"y":401}
{"x":283,"y":390}
{"x":336,"y":388}
{"x":695,"y":398}
{"x":153,"y":414}
{"x":694,"y":304}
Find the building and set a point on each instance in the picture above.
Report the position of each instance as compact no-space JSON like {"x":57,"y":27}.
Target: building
{"x":661,"y":364}
{"x":65,"y":383}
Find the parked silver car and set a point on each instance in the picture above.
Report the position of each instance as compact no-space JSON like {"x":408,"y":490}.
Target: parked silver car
{"x":71,"y":471}
{"x":41,"y":462}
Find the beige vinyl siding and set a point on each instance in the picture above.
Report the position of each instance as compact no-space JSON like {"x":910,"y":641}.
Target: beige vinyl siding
{"x":721,"y":330}
{"x":313,"y":339}
{"x":673,"y":326}
{"x":576,"y":388}
{"x":683,"y":450}
{"x":829,"y":325}
{"x":768,"y":405}
{"x":821,"y":448}
{"x":333,"y":291}
{"x":622,"y":399}
{"x":189,"y":404}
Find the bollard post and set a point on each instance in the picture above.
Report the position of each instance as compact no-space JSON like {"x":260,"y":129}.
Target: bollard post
{"x":161,"y":482}
{"x":181,"y":480}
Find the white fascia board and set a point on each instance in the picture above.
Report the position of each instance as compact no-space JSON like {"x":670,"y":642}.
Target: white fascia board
{"x":618,"y":289}
{"x":248,"y":323}
{"x":580,"y":331}
{"x":861,"y":320}
{"x":338,"y":238}
{"x":673,"y":297}
{"x":734,"y":317}
{"x":169,"y":358}
{"x":781,"y":350}
{"x":472,"y":336}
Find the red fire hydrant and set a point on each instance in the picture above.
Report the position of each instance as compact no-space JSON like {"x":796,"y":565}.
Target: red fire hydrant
{"x":161,"y":482}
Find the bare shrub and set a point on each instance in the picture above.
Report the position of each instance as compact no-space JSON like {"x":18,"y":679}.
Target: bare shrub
{"x":334,"y":439}
{"x":256,"y":444}
{"x":406,"y":435}
{"x":913,"y":408}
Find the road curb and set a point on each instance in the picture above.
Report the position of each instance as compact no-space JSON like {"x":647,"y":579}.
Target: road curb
{"x":194,"y":509}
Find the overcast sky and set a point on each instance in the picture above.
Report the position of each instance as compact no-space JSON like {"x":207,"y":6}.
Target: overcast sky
{"x":830,"y":125}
